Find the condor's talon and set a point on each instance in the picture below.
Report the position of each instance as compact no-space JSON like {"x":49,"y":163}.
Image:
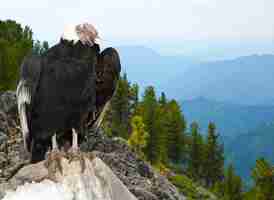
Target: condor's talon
{"x":77,"y":156}
{"x":75,"y":153}
{"x":54,"y":158}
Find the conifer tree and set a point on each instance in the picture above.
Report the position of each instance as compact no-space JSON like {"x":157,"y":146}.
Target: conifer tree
{"x":232,"y":185}
{"x":161,"y":122}
{"x":138,"y":138}
{"x":263,"y":175}
{"x":214,"y":158}
{"x":134,"y":98}
{"x":40,"y":48}
{"x":162,"y":99}
{"x":195,"y":163}
{"x":118,"y":116}
{"x":15,"y":43}
{"x":149,"y":112}
{"x":175,"y":127}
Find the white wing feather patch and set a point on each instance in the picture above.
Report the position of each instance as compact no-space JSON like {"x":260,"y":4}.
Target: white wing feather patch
{"x":23,"y":93}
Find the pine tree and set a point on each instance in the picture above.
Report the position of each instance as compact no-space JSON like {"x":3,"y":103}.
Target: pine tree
{"x":117,"y":119}
{"x":214,"y":158}
{"x":134,"y":98}
{"x":163,"y":100}
{"x":36,"y":47}
{"x":232,"y":185}
{"x":195,"y":163}
{"x":15,"y":43}
{"x":175,"y":127}
{"x":138,"y":138}
{"x":161,"y":122}
{"x":40,"y":48}
{"x":149,"y":112}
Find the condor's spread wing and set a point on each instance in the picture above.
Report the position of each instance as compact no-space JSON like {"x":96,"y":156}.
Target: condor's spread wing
{"x":26,"y":88}
{"x":107,"y":74}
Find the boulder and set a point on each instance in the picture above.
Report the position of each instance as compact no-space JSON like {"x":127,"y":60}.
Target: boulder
{"x":95,"y":182}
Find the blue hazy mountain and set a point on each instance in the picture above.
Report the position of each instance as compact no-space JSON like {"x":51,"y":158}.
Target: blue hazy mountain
{"x":231,"y":119}
{"x":147,"y":67}
{"x":245,"y":80}
{"x":246,"y":131}
{"x":244,"y":149}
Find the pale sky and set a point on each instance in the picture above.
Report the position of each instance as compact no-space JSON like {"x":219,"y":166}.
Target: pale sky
{"x":142,"y":20}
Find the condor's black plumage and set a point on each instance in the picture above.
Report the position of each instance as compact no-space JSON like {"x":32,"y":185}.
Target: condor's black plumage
{"x":59,"y":90}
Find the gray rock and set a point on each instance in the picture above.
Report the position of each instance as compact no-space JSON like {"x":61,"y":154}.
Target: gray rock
{"x":3,"y":138}
{"x":3,"y":122}
{"x":3,"y":160}
{"x":143,"y":194}
{"x":96,"y":178}
{"x":142,"y":180}
{"x":8,"y":102}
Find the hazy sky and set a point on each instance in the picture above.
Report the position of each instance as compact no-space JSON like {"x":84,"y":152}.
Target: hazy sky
{"x":144,"y":20}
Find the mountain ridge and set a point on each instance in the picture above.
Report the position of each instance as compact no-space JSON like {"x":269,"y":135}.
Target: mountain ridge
{"x":245,"y":80}
{"x":231,"y":119}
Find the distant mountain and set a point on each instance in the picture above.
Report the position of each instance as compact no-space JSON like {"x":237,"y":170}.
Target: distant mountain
{"x":246,"y":131}
{"x":244,"y":149}
{"x":245,"y":80}
{"x":146,"y":67}
{"x":231,"y":119}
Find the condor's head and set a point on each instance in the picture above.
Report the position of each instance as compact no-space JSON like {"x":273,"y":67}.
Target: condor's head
{"x":85,"y":33}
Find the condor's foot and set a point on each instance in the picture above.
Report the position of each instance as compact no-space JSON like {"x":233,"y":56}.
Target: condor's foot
{"x":54,"y":158}
{"x":74,"y":153}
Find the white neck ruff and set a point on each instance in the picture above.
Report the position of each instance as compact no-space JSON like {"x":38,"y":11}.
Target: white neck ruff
{"x":85,"y":32}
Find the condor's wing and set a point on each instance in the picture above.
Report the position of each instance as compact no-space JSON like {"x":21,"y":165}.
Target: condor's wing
{"x":26,"y":88}
{"x":107,"y":75}
{"x":107,"y":72}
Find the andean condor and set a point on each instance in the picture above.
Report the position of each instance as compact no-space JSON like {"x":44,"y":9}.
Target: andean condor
{"x":61,"y":89}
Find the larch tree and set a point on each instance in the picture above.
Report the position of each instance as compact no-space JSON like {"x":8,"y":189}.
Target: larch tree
{"x":138,"y":138}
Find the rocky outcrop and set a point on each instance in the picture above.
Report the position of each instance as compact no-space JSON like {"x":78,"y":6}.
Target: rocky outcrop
{"x":11,"y":151}
{"x":138,"y":176}
{"x":95,"y":182}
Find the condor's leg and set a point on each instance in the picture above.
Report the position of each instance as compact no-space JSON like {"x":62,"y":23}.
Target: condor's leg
{"x":75,"y":147}
{"x":54,"y":143}
{"x":75,"y":153}
{"x":53,"y":161}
